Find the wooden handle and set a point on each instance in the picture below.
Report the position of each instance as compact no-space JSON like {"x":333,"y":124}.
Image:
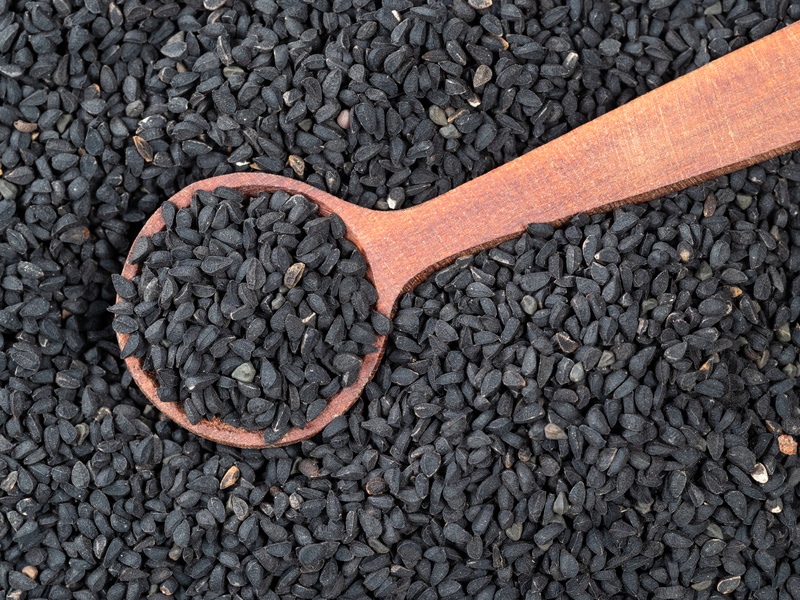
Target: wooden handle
{"x":734,"y":112}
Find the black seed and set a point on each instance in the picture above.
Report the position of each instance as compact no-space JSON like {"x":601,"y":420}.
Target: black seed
{"x":682,"y":312}
{"x":80,"y":475}
{"x":124,"y":287}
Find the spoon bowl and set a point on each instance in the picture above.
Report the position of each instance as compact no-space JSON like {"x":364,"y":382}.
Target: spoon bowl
{"x":732,"y":113}
{"x":216,"y":430}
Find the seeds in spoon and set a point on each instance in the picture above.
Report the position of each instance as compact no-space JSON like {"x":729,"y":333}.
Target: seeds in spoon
{"x":250,"y":310}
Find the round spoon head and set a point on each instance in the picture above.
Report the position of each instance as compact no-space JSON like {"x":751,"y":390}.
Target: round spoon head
{"x":250,"y":184}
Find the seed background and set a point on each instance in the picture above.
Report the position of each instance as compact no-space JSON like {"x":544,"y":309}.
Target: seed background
{"x":445,"y":481}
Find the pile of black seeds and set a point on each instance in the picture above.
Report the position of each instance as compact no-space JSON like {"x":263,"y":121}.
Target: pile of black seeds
{"x":608,"y":410}
{"x":255,"y":311}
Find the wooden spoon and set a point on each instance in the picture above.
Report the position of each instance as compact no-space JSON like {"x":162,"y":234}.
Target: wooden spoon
{"x":738,"y":110}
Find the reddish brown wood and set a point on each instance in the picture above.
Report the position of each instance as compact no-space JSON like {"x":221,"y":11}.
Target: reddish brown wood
{"x":734,"y":112}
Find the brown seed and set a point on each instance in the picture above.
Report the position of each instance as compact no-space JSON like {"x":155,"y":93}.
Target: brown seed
{"x":343,"y":120}
{"x":30,"y":571}
{"x":787,"y":444}
{"x":480,"y":4}
{"x":297,"y":164}
{"x":376,"y":486}
{"x":554,"y":432}
{"x":25,"y":127}
{"x":566,"y":343}
{"x":143,"y":147}
{"x":483,"y":75}
{"x":9,"y":481}
{"x":293,"y":275}
{"x":735,"y":291}
{"x":709,"y":206}
{"x":295,"y":501}
{"x":309,"y":468}
{"x":231,"y":477}
{"x":502,"y":41}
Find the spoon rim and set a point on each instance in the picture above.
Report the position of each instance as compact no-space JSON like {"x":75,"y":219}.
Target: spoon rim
{"x":216,"y":430}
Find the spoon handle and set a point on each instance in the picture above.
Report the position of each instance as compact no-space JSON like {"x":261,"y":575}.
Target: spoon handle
{"x":736,"y":111}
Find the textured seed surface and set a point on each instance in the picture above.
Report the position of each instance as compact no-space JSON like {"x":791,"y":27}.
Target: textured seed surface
{"x":230,"y":477}
{"x":788,"y":445}
{"x":441,"y":482}
{"x":293,"y":275}
{"x":224,"y":316}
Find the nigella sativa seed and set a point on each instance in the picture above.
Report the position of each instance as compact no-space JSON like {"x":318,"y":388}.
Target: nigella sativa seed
{"x":250,"y":310}
{"x":109,"y":108}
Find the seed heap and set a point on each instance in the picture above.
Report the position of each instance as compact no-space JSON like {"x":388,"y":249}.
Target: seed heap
{"x":599,"y":408}
{"x":252,"y":311}
{"x":437,"y":484}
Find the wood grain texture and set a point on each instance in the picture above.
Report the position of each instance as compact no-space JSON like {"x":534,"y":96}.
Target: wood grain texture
{"x":734,"y":112}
